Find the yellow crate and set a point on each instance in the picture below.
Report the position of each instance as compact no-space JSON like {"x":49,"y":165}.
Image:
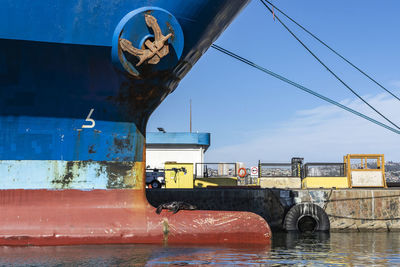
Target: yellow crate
{"x":178,"y":179}
{"x":325,"y":182}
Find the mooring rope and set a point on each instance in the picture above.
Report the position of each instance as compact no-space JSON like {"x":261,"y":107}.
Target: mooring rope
{"x":333,"y":50}
{"x":327,"y":99}
{"x":327,"y":68}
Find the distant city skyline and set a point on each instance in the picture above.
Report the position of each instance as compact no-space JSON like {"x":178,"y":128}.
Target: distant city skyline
{"x":254,"y":117}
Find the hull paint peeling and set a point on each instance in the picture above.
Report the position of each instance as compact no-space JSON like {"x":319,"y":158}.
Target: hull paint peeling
{"x":57,"y":174}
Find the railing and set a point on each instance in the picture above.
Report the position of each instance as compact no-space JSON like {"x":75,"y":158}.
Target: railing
{"x":279,"y":170}
{"x":214,"y":170}
{"x":325,"y":169}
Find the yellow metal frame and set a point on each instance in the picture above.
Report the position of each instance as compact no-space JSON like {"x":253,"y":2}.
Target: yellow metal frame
{"x":178,"y":179}
{"x":380,"y":160}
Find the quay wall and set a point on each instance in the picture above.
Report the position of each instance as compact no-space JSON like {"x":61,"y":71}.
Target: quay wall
{"x":271,"y":204}
{"x":356,"y":209}
{"x":349,"y":210}
{"x":280,"y":182}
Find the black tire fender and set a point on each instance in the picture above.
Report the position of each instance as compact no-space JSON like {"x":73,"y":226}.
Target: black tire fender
{"x":155,"y":184}
{"x":301,"y":214}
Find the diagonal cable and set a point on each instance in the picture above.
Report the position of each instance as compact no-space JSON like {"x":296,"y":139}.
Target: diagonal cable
{"x":327,"y":99}
{"x":328,"y":69}
{"x":334,"y":51}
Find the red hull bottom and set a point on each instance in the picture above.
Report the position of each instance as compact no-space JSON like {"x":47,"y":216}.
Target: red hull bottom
{"x":68,"y":217}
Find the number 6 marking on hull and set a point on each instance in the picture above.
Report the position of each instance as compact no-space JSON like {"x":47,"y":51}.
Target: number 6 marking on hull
{"x":93,"y":123}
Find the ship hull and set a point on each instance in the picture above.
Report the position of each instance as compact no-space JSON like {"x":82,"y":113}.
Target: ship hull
{"x":73,"y":115}
{"x":65,"y":217}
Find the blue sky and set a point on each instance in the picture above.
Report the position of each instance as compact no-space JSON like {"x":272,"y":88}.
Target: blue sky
{"x":252,"y":116}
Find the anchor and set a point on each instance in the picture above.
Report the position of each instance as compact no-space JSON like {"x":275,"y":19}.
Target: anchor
{"x":152,"y":51}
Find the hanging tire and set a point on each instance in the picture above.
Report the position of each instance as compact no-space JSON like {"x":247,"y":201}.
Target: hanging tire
{"x":306,"y":217}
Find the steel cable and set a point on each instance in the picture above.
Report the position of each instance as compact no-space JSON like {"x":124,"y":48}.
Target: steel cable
{"x":327,"y":99}
{"x":334,"y":51}
{"x":328,"y":69}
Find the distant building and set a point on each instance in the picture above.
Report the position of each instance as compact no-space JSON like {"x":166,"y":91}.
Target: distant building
{"x":180,"y":147}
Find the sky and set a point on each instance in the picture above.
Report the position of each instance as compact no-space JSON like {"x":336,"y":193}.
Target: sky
{"x":252,"y":116}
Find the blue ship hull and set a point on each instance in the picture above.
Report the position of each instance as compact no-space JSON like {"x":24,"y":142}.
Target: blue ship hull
{"x":75,"y":101}
{"x":56,"y":65}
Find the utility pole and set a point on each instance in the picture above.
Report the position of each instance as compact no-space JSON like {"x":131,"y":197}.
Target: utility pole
{"x":190,"y":115}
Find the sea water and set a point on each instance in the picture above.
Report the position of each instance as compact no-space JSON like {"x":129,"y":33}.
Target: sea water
{"x":318,"y":249}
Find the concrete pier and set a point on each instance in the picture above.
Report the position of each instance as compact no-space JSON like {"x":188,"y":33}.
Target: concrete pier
{"x":349,"y":210}
{"x":271,"y":204}
{"x":356,"y":209}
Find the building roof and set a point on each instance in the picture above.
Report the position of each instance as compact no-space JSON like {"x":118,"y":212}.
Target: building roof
{"x":201,"y":139}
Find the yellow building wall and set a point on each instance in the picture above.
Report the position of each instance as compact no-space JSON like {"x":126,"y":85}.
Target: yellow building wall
{"x":215,"y":181}
{"x":179,"y":179}
{"x":325,"y":182}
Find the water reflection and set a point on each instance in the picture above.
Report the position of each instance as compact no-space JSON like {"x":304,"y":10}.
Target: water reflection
{"x":319,"y":249}
{"x":336,"y":249}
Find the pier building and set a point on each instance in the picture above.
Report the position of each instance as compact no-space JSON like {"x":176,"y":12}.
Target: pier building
{"x":182,"y":147}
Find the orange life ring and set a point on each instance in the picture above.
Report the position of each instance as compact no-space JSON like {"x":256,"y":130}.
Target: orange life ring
{"x":242,"y":172}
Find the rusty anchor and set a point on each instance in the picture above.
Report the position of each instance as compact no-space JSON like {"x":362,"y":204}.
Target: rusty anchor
{"x":155,"y":50}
